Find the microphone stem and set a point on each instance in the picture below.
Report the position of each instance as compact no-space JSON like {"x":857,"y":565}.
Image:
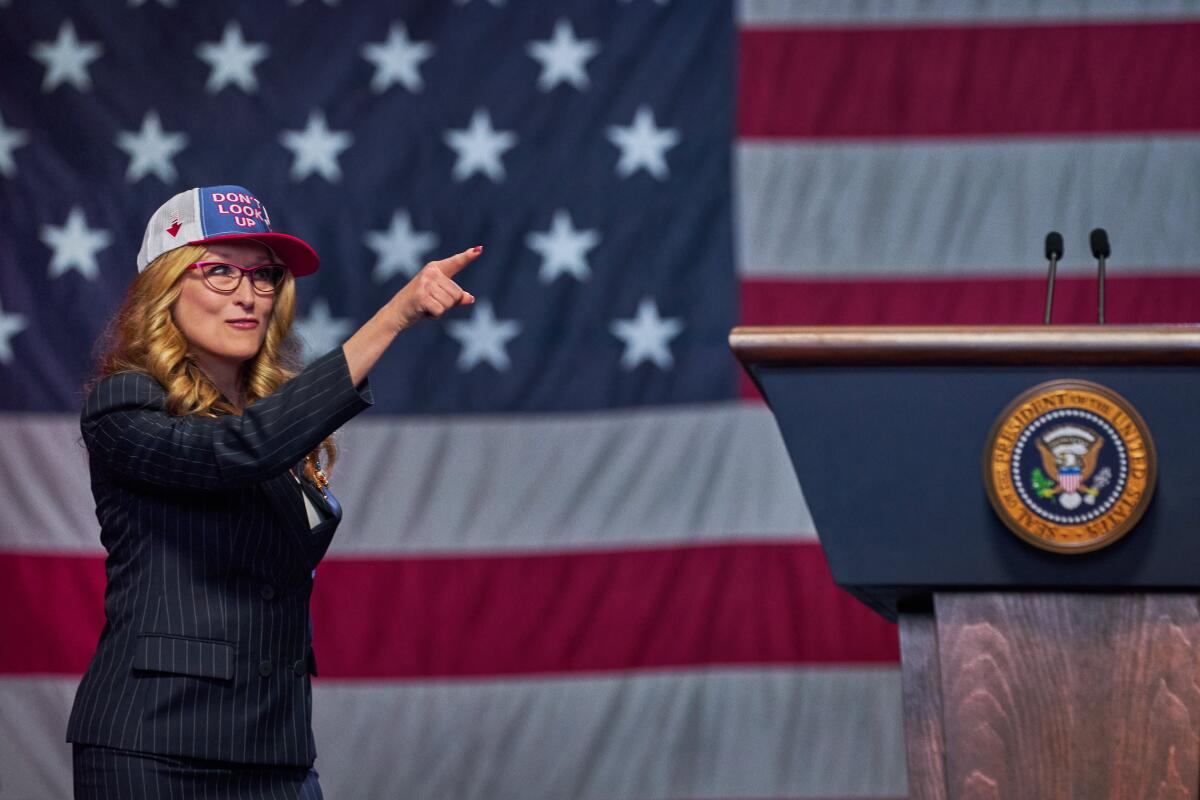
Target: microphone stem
{"x":1050,"y":288}
{"x":1101,"y":292}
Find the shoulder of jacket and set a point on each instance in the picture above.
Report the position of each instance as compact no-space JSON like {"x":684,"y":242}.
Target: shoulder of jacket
{"x":125,"y":388}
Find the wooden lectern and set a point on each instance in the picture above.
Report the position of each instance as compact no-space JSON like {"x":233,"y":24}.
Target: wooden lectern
{"x":1026,"y":673}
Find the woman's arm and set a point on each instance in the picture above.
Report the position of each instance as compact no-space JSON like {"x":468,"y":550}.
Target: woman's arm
{"x":127,"y":429}
{"x":430,"y":293}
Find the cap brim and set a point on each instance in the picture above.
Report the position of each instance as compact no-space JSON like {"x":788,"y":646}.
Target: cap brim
{"x":296,"y":255}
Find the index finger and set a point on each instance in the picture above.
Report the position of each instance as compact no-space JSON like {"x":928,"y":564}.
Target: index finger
{"x":453,"y":265}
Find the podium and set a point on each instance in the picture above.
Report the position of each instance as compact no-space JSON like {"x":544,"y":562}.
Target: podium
{"x":1026,"y":672}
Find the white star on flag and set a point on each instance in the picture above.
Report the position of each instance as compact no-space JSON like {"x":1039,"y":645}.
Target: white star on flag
{"x":643,"y":145}
{"x":563,"y":57}
{"x":232,"y":60}
{"x":10,"y":140}
{"x":66,"y":59}
{"x":563,"y":248}
{"x":320,"y":331}
{"x":647,"y":336}
{"x":397,"y":60}
{"x":151,"y":149}
{"x":400,"y":248}
{"x":10,"y":326}
{"x":316,"y":149}
{"x":479,"y":147}
{"x":483,"y":338}
{"x":75,"y":245}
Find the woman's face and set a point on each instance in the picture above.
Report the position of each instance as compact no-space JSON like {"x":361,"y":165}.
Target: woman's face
{"x":230,"y":327}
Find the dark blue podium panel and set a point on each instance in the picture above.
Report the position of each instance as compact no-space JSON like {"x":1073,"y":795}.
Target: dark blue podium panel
{"x":890,"y":460}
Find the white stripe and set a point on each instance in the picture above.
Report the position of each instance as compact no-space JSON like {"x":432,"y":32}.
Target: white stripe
{"x":44,"y":486}
{"x":965,"y":207}
{"x":687,"y":734}
{"x":483,"y":484}
{"x":779,"y":13}
{"x":35,"y":760}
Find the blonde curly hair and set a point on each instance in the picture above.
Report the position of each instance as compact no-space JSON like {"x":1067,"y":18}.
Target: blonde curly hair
{"x":143,"y":337}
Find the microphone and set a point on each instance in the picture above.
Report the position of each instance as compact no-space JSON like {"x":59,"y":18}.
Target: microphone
{"x":1100,"y":251}
{"x":1054,"y":251}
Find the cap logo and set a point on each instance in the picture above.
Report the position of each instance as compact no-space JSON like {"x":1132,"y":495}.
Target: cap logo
{"x":175,"y":225}
{"x":245,"y":209}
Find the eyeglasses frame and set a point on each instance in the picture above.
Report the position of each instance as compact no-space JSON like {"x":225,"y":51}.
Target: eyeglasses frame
{"x":200,"y":265}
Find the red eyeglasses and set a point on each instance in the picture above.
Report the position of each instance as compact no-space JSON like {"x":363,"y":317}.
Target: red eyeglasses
{"x":226,"y":278}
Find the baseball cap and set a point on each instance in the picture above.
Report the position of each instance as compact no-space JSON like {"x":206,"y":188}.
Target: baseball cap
{"x":218,"y":214}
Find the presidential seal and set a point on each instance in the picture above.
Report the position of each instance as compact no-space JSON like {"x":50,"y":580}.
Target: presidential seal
{"x":1069,"y":466}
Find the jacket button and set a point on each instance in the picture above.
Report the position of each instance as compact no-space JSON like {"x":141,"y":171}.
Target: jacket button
{"x":264,"y":668}
{"x":298,"y":667}
{"x":267,"y":592}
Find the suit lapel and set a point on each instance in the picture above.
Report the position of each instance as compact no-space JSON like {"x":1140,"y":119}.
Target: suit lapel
{"x":284,"y":494}
{"x":287,"y":498}
{"x":321,"y":535}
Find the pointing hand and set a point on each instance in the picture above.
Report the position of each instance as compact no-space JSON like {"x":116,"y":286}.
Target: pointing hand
{"x":432,"y":291}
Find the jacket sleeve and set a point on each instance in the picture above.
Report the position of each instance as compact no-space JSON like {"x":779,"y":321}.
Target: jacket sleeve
{"x":128,"y":430}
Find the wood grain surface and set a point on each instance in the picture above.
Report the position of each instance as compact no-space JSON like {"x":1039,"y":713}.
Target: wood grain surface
{"x":1069,"y":695}
{"x":923,"y":731}
{"x":1058,"y":345}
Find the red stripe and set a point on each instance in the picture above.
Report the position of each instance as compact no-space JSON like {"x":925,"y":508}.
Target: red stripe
{"x":963,"y":301}
{"x":733,"y":604}
{"x":51,"y":612}
{"x":969,"y":81}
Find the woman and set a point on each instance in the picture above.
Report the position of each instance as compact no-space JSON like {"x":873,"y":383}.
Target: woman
{"x":207,"y":461}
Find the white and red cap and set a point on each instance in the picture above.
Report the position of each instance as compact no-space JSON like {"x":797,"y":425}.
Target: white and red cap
{"x":218,"y":214}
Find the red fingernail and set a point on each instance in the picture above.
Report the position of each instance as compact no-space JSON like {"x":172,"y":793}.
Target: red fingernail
{"x":478,"y":248}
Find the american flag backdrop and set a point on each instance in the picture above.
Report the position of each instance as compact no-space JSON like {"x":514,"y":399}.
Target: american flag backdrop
{"x":575,"y":561}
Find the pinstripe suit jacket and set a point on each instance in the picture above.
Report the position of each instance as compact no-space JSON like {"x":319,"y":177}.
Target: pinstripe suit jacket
{"x":206,"y":646}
